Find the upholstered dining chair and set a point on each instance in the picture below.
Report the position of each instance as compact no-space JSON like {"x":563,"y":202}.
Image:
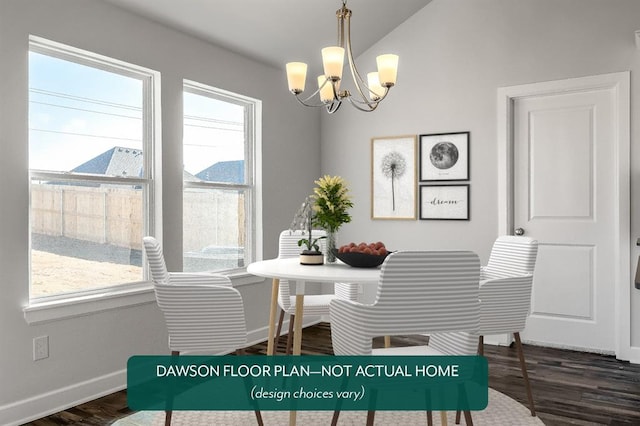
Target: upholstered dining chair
{"x":314,"y":304}
{"x":419,"y":292}
{"x":202,"y":312}
{"x":505,"y":294}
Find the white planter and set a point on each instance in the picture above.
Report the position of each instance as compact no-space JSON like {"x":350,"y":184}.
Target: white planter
{"x":311,"y":258}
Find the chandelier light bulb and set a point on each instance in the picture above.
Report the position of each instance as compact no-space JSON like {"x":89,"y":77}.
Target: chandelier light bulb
{"x":296,"y":76}
{"x":375,"y":88}
{"x":326,"y":89}
{"x":333,"y":60}
{"x":387,"y":69}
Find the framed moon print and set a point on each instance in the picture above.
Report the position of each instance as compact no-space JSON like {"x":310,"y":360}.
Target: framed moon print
{"x":444,"y":202}
{"x":393,"y":177}
{"x":444,"y":156}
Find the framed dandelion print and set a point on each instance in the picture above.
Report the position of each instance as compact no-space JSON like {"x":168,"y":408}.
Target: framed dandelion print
{"x":444,"y":156}
{"x":393,"y":177}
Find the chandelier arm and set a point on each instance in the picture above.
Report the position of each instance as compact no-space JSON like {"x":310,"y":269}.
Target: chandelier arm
{"x":333,"y":106}
{"x":328,"y":105}
{"x":357,"y":105}
{"x":304,"y":103}
{"x":375,"y":101}
{"x":308,"y":98}
{"x":357,"y":78}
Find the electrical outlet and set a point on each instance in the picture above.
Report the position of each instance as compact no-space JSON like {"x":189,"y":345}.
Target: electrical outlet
{"x":40,"y":347}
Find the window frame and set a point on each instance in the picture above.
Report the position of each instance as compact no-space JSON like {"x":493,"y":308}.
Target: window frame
{"x":150,"y":139}
{"x":252,"y":160}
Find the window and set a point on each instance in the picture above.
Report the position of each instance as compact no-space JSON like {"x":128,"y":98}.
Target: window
{"x":90,"y":161}
{"x":219,"y":200}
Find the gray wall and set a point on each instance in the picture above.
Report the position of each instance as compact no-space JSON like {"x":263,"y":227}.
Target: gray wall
{"x":92,"y":347}
{"x":454,"y":54}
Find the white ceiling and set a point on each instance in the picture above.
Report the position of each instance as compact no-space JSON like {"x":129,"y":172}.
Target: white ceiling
{"x":277,"y":31}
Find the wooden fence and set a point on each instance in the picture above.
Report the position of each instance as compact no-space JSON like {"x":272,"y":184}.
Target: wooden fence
{"x":113,"y":215}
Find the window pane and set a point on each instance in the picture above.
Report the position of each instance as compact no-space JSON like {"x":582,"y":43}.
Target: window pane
{"x":84,"y":237}
{"x":214,"y":140}
{"x":214,"y":229}
{"x":85,"y":234}
{"x":79,"y":114}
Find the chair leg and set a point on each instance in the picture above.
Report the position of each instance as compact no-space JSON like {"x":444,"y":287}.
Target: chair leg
{"x":525,"y":376}
{"x":241,"y":352}
{"x":458,"y":412}
{"x":289,"y":349}
{"x":169,"y":413}
{"x":429,"y":418}
{"x":334,"y":419}
{"x":480,"y":345}
{"x":259,"y":418}
{"x":467,"y":418}
{"x":278,"y":330}
{"x":370,"y":417}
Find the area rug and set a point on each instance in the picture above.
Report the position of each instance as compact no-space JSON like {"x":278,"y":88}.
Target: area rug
{"x":502,"y":411}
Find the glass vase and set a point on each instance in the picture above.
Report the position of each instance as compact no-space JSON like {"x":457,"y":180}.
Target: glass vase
{"x":331,"y":247}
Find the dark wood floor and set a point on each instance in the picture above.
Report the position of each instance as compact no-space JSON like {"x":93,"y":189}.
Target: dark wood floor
{"x":569,"y":388}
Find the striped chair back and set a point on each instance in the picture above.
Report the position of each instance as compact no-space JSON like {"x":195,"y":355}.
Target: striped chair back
{"x":429,"y":291}
{"x":512,"y":255}
{"x":288,"y":248}
{"x":419,"y":292}
{"x":203,"y":318}
{"x":505,"y":305}
{"x":506,"y":302}
{"x":202,"y":311}
{"x":288,"y":242}
{"x":155,"y":258}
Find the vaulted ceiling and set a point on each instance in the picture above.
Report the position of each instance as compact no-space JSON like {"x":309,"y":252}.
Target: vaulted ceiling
{"x":276,"y":31}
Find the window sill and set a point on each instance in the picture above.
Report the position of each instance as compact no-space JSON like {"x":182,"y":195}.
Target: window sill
{"x":75,"y":306}
{"x":242,"y":278}
{"x":87,"y":304}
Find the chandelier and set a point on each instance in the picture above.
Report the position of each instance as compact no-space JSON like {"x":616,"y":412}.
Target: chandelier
{"x":369,"y":94}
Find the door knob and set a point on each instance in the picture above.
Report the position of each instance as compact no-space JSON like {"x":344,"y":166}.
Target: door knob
{"x":519,"y":231}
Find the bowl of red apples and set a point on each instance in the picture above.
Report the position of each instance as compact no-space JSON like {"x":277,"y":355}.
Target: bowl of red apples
{"x":363,"y":255}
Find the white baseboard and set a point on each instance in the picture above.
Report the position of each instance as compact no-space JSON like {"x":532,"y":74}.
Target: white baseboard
{"x":633,"y":355}
{"x":48,"y":403}
{"x":45,"y":404}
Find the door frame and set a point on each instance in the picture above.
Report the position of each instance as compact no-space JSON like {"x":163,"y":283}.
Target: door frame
{"x":620,"y":83}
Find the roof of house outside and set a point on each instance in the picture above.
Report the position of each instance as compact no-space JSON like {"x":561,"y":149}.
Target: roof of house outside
{"x":122,"y":161}
{"x":224,"y":171}
{"x":118,"y":161}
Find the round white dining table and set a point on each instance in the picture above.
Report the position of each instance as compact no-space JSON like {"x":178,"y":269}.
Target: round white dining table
{"x":291,"y":269}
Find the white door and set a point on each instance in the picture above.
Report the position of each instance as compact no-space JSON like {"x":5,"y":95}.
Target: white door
{"x":565,"y":186}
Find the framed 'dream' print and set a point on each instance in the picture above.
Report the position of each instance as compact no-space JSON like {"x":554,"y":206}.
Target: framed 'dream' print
{"x":444,"y":156}
{"x":444,"y":202}
{"x":393,"y":177}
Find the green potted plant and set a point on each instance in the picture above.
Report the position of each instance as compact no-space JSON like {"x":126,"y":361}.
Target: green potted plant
{"x":304,"y":221}
{"x":331,"y":206}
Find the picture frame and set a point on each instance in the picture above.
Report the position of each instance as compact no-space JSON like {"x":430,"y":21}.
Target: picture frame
{"x":444,"y":156}
{"x":444,"y":202}
{"x":393,"y":177}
